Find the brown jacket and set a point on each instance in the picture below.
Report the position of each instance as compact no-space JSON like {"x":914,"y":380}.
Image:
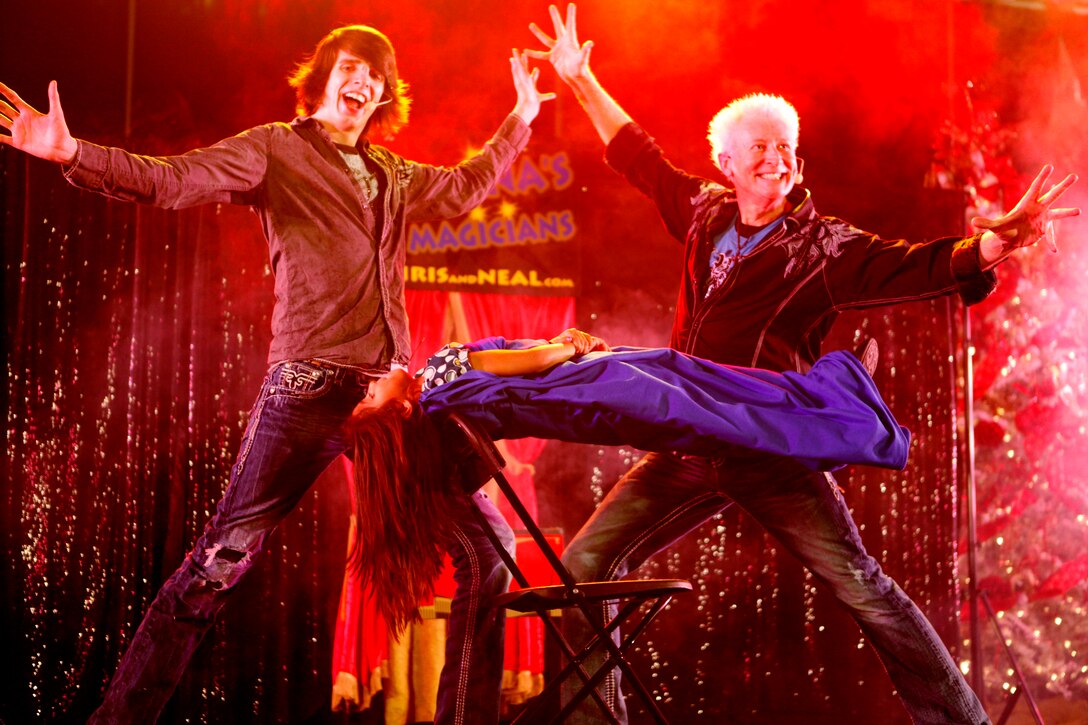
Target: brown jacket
{"x":339,"y":291}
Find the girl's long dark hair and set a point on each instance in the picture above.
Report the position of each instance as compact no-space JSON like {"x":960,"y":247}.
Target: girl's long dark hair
{"x":405,"y":500}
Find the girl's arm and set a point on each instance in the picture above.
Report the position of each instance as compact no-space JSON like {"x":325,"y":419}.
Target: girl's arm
{"x":522,"y":362}
{"x":537,"y":359}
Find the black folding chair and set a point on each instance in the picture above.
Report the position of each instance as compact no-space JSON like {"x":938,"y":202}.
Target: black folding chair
{"x":480,"y":462}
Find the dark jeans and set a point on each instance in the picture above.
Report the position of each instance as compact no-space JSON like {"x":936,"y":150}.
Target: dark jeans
{"x":666,"y":496}
{"x":294,"y":432}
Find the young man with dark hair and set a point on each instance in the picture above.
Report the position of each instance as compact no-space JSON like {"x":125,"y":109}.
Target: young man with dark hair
{"x":335,"y":209}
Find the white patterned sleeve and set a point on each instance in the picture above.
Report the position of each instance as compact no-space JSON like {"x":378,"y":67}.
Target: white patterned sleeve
{"x":446,"y":365}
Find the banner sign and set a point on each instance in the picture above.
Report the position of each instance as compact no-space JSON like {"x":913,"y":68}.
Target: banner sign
{"x":522,"y":240}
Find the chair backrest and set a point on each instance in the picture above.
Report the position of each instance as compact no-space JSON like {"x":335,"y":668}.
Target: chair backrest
{"x":472,"y":450}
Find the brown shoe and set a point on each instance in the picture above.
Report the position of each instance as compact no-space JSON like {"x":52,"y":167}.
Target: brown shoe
{"x":869,"y":355}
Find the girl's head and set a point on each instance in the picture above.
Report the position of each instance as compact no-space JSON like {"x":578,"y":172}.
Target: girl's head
{"x":396,"y":388}
{"x":404,"y":498}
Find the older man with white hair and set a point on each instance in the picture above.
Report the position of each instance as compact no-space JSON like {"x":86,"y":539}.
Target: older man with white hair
{"x":765,"y":277}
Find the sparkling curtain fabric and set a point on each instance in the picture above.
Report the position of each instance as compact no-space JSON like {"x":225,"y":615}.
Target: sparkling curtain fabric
{"x":136,"y":344}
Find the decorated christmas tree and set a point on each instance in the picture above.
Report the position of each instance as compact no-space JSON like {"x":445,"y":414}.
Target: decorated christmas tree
{"x":1031,"y":433}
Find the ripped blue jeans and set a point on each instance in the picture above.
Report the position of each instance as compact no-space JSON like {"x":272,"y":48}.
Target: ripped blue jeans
{"x":294,"y":432}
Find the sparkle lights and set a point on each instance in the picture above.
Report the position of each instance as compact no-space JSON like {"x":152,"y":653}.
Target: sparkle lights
{"x":1033,"y":487}
{"x":127,"y":395}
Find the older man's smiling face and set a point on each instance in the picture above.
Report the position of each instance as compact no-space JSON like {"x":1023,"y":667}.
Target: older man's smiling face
{"x":761,"y":162}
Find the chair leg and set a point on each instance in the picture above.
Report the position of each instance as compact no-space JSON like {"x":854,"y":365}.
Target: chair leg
{"x":551,"y":627}
{"x":615,"y":653}
{"x":574,"y":664}
{"x":492,"y":465}
{"x":602,"y":638}
{"x":617,"y":659}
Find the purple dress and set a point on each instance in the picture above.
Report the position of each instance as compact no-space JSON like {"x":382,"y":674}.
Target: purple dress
{"x":658,"y":399}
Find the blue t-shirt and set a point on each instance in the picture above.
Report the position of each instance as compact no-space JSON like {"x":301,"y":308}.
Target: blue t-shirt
{"x":730,"y":248}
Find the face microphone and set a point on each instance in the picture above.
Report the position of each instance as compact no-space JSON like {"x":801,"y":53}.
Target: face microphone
{"x":799,"y":175}
{"x":383,"y":102}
